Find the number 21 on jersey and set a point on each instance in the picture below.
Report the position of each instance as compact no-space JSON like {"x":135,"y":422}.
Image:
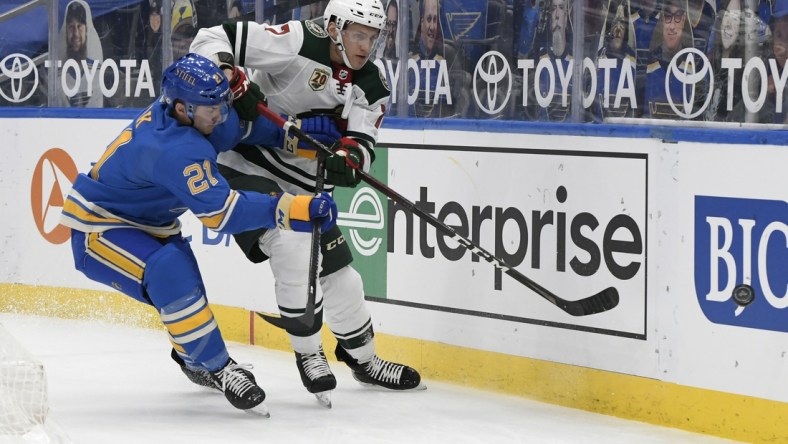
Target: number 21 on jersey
{"x":199,"y":177}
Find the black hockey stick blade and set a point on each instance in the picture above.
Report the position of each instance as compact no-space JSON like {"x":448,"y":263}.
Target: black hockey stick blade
{"x":297,"y":324}
{"x":605,"y":300}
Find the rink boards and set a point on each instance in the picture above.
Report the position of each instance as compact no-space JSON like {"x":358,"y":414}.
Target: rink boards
{"x":673,"y":226}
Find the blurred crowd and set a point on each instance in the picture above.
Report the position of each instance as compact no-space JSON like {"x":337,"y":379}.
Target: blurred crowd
{"x":533,"y":60}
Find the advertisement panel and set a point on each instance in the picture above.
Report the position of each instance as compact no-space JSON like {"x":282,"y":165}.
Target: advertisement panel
{"x":731,"y":228}
{"x":673,"y":227}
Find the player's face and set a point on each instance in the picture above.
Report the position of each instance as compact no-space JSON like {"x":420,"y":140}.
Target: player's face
{"x":429,"y":24}
{"x":360,"y":41}
{"x":207,"y":117}
{"x":731,"y":21}
{"x":76,"y":35}
{"x":672,"y":27}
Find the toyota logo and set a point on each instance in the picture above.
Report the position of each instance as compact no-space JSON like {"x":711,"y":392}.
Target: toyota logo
{"x":492,"y":69}
{"x":24,"y":77}
{"x":689,"y":79}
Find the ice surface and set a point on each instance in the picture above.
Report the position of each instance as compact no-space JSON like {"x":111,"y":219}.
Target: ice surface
{"x":117,"y":384}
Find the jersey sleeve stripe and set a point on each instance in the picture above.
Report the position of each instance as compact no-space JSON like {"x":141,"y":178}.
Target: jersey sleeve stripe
{"x":240,"y":44}
{"x":218,"y":219}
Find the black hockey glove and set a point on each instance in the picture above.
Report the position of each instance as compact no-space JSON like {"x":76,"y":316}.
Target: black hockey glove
{"x":246,"y":96}
{"x":321,"y":128}
{"x":342,"y":165}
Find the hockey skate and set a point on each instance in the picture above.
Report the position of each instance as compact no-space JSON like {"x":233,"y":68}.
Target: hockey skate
{"x":316,"y":375}
{"x":240,"y":388}
{"x":381,"y":373}
{"x":199,"y":377}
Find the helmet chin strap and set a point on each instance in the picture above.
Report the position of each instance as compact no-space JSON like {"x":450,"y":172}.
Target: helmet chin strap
{"x":341,"y":48}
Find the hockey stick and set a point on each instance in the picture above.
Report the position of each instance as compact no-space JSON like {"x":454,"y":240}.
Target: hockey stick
{"x":597,"y":303}
{"x":307,"y":320}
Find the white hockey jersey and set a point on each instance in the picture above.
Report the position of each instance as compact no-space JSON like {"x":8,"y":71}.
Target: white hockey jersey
{"x":291,"y":64}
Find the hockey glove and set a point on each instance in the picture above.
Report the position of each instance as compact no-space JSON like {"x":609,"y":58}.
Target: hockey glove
{"x":321,"y":128}
{"x":342,"y":165}
{"x":296,"y":212}
{"x":246,"y":96}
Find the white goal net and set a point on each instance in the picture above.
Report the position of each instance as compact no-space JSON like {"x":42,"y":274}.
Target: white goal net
{"x":23,"y":396}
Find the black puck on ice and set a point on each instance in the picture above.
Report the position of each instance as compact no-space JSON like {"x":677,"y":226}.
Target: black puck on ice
{"x":743,"y":295}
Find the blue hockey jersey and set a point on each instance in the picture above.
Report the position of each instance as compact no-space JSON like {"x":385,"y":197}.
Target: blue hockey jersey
{"x":157,"y":169}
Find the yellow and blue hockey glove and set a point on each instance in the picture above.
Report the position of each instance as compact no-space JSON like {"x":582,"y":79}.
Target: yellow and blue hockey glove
{"x":296,"y":212}
{"x":322,"y":128}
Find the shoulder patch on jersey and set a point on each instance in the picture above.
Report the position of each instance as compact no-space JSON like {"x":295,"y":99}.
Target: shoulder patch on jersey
{"x":319,"y":79}
{"x":315,"y":29}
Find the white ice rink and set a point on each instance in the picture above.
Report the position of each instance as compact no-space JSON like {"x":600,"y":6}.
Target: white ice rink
{"x":112,"y":384}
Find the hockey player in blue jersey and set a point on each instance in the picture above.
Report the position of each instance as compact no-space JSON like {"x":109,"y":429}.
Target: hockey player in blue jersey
{"x":124,"y":215}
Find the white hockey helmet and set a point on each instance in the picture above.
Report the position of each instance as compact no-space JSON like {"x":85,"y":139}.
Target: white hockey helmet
{"x":364,"y":12}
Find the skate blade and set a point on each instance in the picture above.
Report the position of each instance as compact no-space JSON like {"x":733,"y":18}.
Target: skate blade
{"x":379,"y":388}
{"x":259,"y":410}
{"x":324,"y":398}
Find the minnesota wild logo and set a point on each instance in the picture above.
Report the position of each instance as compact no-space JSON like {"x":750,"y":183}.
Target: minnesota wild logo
{"x":315,"y":29}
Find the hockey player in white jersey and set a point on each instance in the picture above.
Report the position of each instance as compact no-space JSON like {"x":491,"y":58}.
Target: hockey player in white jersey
{"x":306,"y":68}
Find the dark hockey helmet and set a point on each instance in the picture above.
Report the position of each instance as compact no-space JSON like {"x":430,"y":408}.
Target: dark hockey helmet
{"x":196,"y":81}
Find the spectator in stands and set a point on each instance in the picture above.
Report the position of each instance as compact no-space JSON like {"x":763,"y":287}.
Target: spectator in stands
{"x":770,"y":113}
{"x":727,"y":42}
{"x":644,"y":19}
{"x":428,"y":43}
{"x":392,"y":19}
{"x":81,"y":47}
{"x":429,"y":54}
{"x":615,"y":59}
{"x":701,"y":17}
{"x":183,"y":26}
{"x":672,"y":34}
{"x":556,"y":45}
